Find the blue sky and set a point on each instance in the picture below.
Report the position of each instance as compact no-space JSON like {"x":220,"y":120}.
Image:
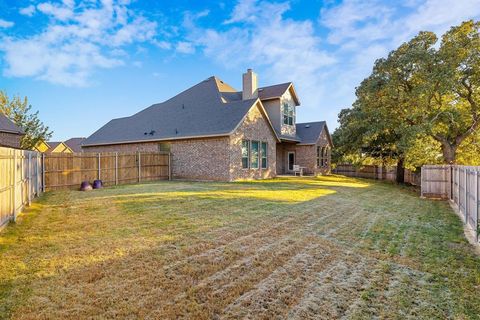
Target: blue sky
{"x":82,"y":63}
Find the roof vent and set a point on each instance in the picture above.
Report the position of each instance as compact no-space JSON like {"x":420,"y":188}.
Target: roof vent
{"x":307,"y":126}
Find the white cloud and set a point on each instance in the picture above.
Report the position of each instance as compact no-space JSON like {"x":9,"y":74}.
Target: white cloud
{"x":325,"y":69}
{"x":77,"y":41}
{"x":285,"y":48}
{"x":28,"y":11}
{"x":57,"y":11}
{"x":185,"y":47}
{"x":363,"y":31}
{"x":6,"y":24}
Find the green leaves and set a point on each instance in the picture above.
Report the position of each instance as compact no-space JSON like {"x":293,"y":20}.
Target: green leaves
{"x":419,"y":93}
{"x":19,"y":111}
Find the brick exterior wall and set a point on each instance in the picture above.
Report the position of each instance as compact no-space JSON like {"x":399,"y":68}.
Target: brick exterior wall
{"x":254,"y":127}
{"x":11,"y":140}
{"x":305,"y":156}
{"x":201,"y":159}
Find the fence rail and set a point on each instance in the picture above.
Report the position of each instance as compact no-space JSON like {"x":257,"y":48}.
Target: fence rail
{"x":25,"y":174}
{"x":460,"y":185}
{"x":20,"y":181}
{"x":376,"y":172}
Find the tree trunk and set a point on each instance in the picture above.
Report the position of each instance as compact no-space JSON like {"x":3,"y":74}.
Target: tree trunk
{"x":400,"y":171}
{"x":449,"y":153}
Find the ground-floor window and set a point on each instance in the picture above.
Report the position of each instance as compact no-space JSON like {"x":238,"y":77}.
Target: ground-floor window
{"x":245,"y":154}
{"x":264,"y":155}
{"x":322,"y":156}
{"x":254,"y":155}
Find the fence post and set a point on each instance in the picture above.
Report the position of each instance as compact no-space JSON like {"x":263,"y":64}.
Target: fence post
{"x":451,"y":181}
{"x":29,"y":180}
{"x":169,"y":166}
{"x":14,"y":194}
{"x":116,"y":168}
{"x":458,"y":187}
{"x":99,"y":173}
{"x":422,"y":182}
{"x":477,"y":204}
{"x":466,"y":196}
{"x":139,"y":166}
{"x":43,"y":172}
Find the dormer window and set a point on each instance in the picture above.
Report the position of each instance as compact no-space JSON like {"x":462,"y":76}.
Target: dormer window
{"x":288,"y":112}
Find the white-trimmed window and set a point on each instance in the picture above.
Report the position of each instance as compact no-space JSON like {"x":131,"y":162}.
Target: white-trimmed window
{"x":288,"y":112}
{"x":264,"y":153}
{"x":254,"y":154}
{"x":245,"y":154}
{"x":322,"y":156}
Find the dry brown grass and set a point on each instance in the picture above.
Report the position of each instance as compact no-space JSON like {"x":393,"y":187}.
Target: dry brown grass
{"x":328,"y":247}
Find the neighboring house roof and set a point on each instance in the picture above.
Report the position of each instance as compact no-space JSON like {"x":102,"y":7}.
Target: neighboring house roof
{"x":309,"y":132}
{"x":75,"y":144}
{"x":57,"y":147}
{"x":7,"y":125}
{"x":209,"y":108}
{"x":41,"y":146}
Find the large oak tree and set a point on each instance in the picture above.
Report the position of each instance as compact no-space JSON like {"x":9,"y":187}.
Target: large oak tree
{"x":420,"y":91}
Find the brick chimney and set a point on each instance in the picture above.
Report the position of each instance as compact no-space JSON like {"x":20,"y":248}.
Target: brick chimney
{"x":250,"y":86}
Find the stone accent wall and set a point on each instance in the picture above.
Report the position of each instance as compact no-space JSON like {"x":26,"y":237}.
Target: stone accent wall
{"x":288,"y":130}
{"x":254,"y":127}
{"x":10,"y":140}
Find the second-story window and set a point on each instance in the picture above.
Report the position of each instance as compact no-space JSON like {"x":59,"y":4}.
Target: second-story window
{"x":254,"y":155}
{"x":288,"y":114}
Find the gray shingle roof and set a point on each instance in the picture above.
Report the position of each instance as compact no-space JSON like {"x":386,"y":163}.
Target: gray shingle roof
{"x":309,"y":132}
{"x":7,"y":125}
{"x":209,"y":108}
{"x":275,"y":91}
{"x":75,"y":144}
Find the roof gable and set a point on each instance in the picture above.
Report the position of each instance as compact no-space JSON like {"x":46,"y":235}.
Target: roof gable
{"x":75,"y":144}
{"x":310,"y":132}
{"x":277,"y":91}
{"x":58,"y":147}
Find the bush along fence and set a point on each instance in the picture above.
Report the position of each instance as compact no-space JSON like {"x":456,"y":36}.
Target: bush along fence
{"x":460,"y":185}
{"x":25,"y":174}
{"x":376,"y":172}
{"x":20,"y":181}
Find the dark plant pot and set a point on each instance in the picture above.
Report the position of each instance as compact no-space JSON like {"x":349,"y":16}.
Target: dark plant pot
{"x":97,"y":184}
{"x":85,"y":186}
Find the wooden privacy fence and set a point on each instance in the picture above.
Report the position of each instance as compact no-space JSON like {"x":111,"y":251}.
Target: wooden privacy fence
{"x":25,"y":174}
{"x":376,"y":172}
{"x":62,"y":170}
{"x":20,"y":181}
{"x":459,"y":184}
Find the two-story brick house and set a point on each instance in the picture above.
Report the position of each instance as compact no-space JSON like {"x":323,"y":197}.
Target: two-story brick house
{"x":215,"y":132}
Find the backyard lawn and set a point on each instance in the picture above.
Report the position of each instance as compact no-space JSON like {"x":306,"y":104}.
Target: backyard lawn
{"x":297,"y":248}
